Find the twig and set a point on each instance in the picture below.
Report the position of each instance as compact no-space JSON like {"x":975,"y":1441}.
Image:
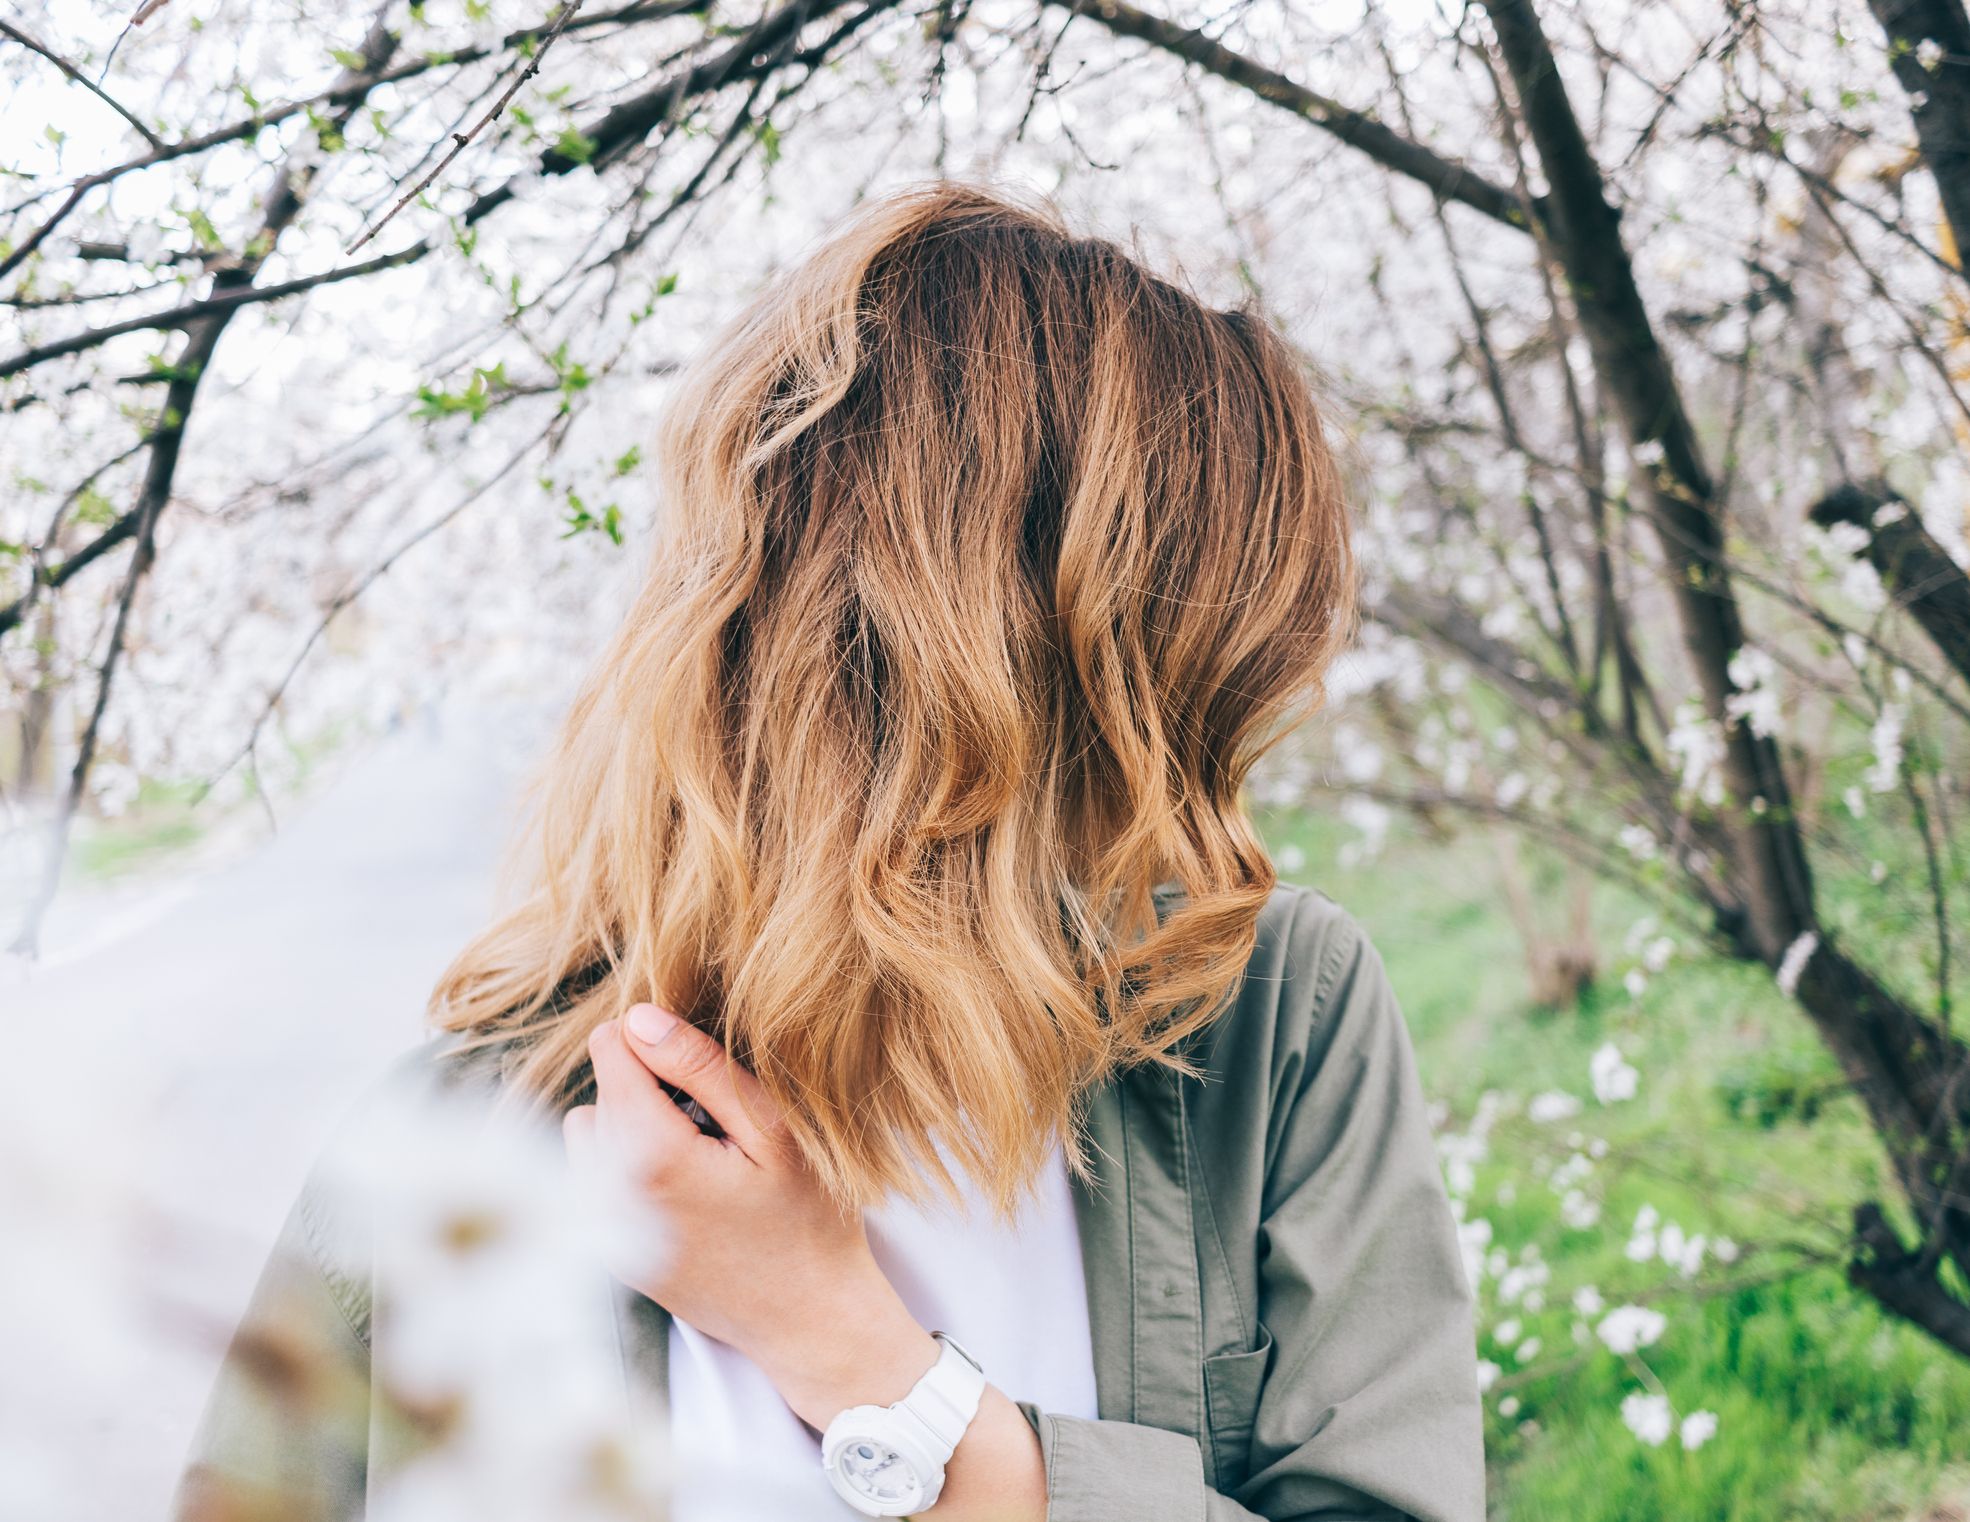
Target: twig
{"x":462,"y":140}
{"x":354,"y":590}
{"x":8,"y":29}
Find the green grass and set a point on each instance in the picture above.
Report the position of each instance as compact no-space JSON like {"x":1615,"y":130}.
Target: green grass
{"x":159,"y":824}
{"x":165,"y":819}
{"x":1828,"y":1408}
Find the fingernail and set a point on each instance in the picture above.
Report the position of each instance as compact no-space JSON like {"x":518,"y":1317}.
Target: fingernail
{"x":650,"y":1025}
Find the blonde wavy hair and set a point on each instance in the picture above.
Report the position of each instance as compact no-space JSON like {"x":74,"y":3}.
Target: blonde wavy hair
{"x":992,"y":561}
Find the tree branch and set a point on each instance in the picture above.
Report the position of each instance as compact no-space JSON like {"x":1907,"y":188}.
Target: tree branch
{"x":1912,"y":563}
{"x":1448,"y":178}
{"x":8,"y":29}
{"x":1938,"y":86}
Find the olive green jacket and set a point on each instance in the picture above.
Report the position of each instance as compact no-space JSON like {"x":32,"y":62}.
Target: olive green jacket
{"x":1281,"y":1322}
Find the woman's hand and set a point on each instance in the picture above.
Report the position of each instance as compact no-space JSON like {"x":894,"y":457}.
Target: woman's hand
{"x":759,"y":1257}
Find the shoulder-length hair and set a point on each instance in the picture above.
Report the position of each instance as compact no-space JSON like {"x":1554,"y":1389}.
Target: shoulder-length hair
{"x":992,"y":562}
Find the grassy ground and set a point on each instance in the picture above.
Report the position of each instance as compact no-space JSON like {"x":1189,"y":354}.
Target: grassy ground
{"x":165,"y":824}
{"x":1739,"y":1129}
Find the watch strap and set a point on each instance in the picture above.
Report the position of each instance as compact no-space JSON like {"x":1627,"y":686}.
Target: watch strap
{"x":945,"y":1400}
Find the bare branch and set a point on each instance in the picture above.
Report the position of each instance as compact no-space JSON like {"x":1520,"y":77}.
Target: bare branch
{"x":1448,"y":178}
{"x":564,"y":13}
{"x":1930,"y":586}
{"x":8,"y":29}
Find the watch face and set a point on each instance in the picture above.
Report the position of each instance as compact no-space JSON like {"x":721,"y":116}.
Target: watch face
{"x":877,"y":1472}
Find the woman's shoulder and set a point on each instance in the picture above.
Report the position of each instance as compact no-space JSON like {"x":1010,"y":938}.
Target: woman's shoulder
{"x":1314,"y":990}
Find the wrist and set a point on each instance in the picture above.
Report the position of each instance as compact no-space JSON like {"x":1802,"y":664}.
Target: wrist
{"x":854,"y":1351}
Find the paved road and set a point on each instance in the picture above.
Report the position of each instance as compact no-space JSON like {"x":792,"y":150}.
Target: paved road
{"x":166,"y":1088}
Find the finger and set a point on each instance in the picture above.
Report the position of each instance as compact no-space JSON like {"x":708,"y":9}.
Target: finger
{"x":635,"y":1116}
{"x":681,"y":1054}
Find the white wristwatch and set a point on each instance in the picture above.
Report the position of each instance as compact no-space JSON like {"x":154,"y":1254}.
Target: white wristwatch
{"x":888,"y":1461}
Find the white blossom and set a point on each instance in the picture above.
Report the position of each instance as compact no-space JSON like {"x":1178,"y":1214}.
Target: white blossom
{"x":1629,"y":1327}
{"x":1638,"y":842}
{"x":1756,"y":701}
{"x":1886,"y":739}
{"x":1648,"y":1417}
{"x":1793,"y":964}
{"x":1698,"y":1428}
{"x":1614,"y":1080}
{"x":1697,"y":743}
{"x":1522,"y":1281}
{"x":1554,"y":1104}
{"x":1680,"y":1251}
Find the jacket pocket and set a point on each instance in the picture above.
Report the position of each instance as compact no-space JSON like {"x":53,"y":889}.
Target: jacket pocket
{"x":1232,"y":1385}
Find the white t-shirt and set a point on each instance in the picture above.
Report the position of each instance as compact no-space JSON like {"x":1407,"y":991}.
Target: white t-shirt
{"x":1014,"y":1296}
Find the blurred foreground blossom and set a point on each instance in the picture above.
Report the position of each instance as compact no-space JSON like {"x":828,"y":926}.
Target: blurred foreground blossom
{"x":79,"y":1317}
{"x":471,"y":1262}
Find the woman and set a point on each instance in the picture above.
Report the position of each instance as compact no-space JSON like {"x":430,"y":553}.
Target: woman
{"x":897,"y":840}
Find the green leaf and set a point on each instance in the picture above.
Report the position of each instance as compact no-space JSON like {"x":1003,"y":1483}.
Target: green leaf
{"x":203,"y":230}
{"x":572,"y":374}
{"x":581,"y":521}
{"x":629,"y":459}
{"x":475,"y":401}
{"x":326,"y":132}
{"x":576,"y":145}
{"x":159,"y":370}
{"x":350,"y":60}
{"x":93,"y":509}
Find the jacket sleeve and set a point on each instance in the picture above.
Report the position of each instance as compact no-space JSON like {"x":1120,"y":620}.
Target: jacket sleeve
{"x":285,"y":1430}
{"x":1369,"y":1409}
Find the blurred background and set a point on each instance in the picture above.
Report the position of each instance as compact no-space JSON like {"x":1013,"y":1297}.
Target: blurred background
{"x":330,"y":344}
